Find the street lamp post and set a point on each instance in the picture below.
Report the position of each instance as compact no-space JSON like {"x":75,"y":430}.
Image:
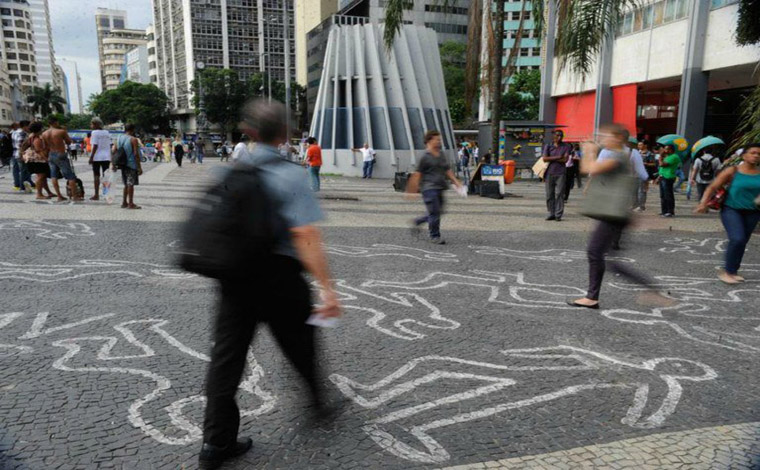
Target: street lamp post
{"x":286,"y":50}
{"x":201,"y":122}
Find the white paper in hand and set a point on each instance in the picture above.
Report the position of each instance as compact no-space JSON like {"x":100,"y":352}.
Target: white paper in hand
{"x":323,"y":322}
{"x":461,"y":190}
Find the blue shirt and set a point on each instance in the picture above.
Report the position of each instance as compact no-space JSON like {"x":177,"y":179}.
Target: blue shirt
{"x":288,"y":184}
{"x":637,"y":161}
{"x":125,"y":142}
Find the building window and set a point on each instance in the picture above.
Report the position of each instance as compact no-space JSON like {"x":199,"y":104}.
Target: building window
{"x":18,"y":13}
{"x":721,"y":3}
{"x":656,"y":14}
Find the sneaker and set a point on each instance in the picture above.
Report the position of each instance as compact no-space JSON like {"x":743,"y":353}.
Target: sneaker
{"x":669,"y":215}
{"x":17,"y":189}
{"x":438,"y":241}
{"x":551,"y":217}
{"x":28,"y":187}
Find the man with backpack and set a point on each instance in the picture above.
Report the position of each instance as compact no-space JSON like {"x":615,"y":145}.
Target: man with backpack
{"x":265,"y":226}
{"x":703,"y":172}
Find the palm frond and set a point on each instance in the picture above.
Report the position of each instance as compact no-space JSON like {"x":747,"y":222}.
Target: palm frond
{"x":748,"y":130}
{"x":582,"y":27}
{"x":748,"y":27}
{"x":394,"y":19}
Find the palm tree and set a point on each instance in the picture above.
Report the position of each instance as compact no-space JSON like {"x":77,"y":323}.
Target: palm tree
{"x":46,"y":100}
{"x":582,"y":27}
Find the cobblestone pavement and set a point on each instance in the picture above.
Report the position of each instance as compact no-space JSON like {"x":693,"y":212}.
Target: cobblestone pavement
{"x":462,"y":355}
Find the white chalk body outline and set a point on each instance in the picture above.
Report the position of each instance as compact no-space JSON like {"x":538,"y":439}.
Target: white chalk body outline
{"x":391,"y":387}
{"x":89,"y":267}
{"x":384,"y":249}
{"x":50,"y":230}
{"x":705,"y":246}
{"x":556,"y":255}
{"x":734,"y":341}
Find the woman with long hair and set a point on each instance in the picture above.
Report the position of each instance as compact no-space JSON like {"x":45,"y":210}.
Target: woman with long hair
{"x":740,"y":213}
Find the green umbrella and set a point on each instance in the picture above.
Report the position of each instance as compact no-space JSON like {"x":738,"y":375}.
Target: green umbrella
{"x":706,"y":142}
{"x":678,"y":142}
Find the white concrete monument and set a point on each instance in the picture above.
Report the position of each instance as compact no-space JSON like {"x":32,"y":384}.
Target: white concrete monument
{"x":387,"y":98}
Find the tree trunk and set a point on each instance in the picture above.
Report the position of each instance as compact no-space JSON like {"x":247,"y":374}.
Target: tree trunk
{"x":496,"y":77}
{"x":503,"y":73}
{"x":474,"y":31}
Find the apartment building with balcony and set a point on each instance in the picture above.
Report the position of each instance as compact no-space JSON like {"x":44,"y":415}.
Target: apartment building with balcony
{"x":116,"y":44}
{"x":17,"y":45}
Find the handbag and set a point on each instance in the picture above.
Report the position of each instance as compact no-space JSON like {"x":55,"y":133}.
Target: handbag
{"x":718,"y":198}
{"x":609,"y":196}
{"x":33,"y":156}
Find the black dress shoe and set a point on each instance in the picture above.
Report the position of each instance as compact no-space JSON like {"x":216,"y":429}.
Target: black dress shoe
{"x":551,"y":217}
{"x":558,"y":219}
{"x":212,"y":457}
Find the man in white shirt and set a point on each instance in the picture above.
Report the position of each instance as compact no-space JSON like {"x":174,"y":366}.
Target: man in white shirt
{"x":368,"y":159}
{"x":100,"y":158}
{"x":703,"y":172}
{"x":240,"y":148}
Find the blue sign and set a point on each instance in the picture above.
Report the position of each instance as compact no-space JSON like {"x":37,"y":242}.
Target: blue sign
{"x":492,"y":170}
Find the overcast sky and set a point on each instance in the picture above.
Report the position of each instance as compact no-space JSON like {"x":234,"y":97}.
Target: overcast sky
{"x":74,"y":38}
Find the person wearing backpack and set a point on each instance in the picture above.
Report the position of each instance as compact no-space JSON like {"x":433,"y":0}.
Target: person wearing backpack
{"x":703,"y":172}
{"x":281,"y":240}
{"x":131,"y":169}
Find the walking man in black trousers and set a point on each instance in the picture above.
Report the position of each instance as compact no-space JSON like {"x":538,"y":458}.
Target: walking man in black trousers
{"x":276,"y":293}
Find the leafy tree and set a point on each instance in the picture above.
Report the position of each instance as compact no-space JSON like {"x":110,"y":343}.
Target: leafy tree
{"x":145,"y":106}
{"x":520,"y":102}
{"x":79,"y":121}
{"x":45,"y":100}
{"x":453,"y":56}
{"x":223,"y":96}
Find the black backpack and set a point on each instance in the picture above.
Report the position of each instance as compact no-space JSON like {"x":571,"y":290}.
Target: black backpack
{"x":120,"y":157}
{"x":706,"y":170}
{"x":232,"y":230}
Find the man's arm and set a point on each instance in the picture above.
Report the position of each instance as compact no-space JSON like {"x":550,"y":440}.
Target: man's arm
{"x":308,"y":244}
{"x":450,"y":175}
{"x":66,"y":138}
{"x":413,"y":184}
{"x":638,"y":166}
{"x":136,"y":153}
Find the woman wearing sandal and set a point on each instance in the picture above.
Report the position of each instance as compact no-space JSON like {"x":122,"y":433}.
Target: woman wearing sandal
{"x":35,"y":153}
{"x":131,"y":172}
{"x":609,"y":173}
{"x":740,"y":213}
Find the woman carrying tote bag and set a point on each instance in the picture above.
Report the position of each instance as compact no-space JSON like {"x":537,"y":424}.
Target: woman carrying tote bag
{"x":608,"y":199}
{"x":740,"y":213}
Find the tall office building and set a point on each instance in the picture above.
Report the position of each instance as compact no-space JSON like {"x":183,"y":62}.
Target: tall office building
{"x":107,"y":20}
{"x":116,"y":43}
{"x":242,"y":35}
{"x":150,"y":34}
{"x":43,"y":43}
{"x":6,"y":102}
{"x":17,"y":51}
{"x":62,"y":83}
{"x":529,"y":55}
{"x":448,"y":21}
{"x":308,"y":15}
